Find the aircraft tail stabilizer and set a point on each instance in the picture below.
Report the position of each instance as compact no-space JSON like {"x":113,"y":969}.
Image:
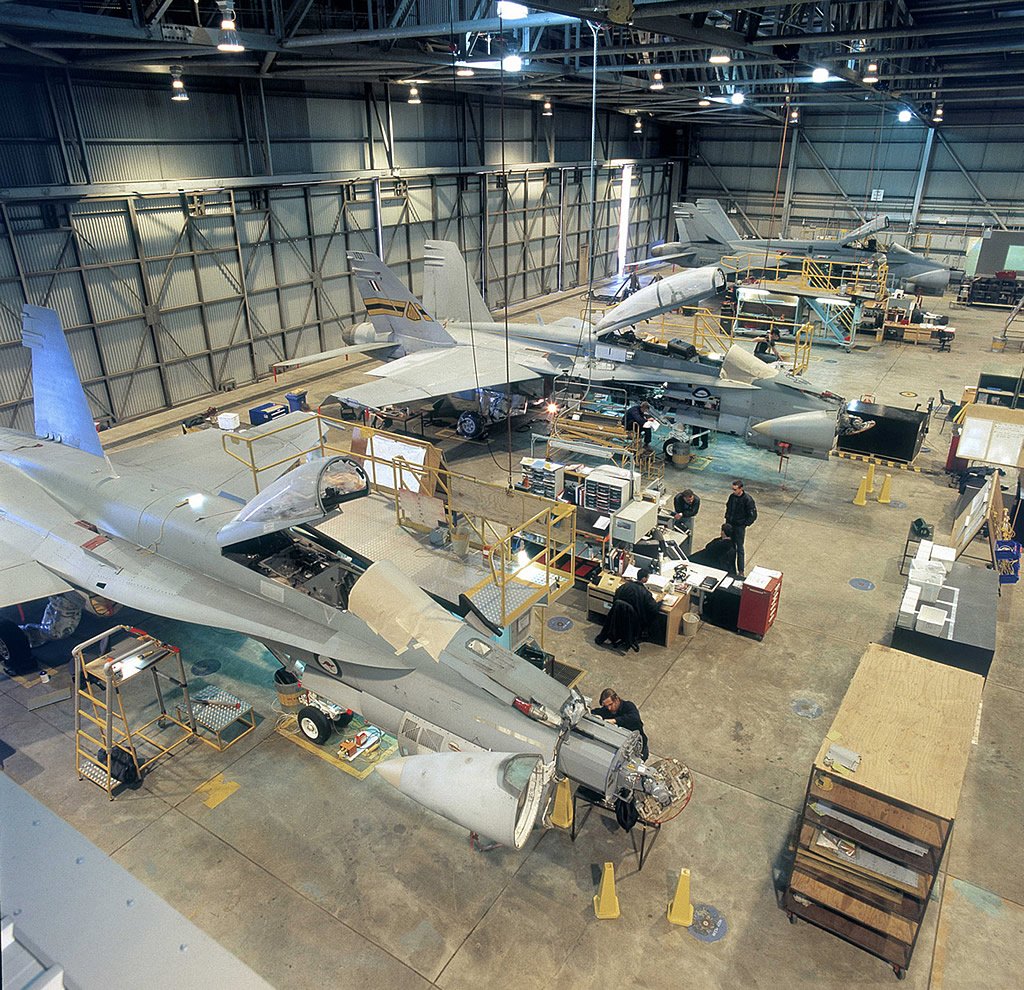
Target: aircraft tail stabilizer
{"x":717,"y":221}
{"x":61,"y":408}
{"x":448,"y":291}
{"x":392,"y":308}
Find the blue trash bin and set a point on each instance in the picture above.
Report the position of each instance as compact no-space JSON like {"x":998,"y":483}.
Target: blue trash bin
{"x":296,"y":401}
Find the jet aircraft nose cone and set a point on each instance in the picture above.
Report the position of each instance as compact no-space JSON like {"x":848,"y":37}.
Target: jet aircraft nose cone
{"x":391,"y":770}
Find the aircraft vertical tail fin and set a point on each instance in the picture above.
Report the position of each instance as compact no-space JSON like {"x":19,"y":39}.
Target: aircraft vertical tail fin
{"x":448,"y":291}
{"x":61,"y":408}
{"x":392,"y":308}
{"x":717,"y":221}
{"x":690,"y":225}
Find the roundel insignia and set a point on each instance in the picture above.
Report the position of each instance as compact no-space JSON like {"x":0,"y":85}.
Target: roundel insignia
{"x":329,"y":665}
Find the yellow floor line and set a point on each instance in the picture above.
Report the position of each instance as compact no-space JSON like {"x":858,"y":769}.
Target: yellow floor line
{"x":217,"y":789}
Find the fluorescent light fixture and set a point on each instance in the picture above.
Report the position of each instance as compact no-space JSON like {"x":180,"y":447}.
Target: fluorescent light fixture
{"x":820,"y":75}
{"x":414,"y":96}
{"x":461,"y":69}
{"x":831,"y":301}
{"x":547,"y":111}
{"x":704,"y":102}
{"x":904,"y":116}
{"x":656,"y":82}
{"x":719,"y":56}
{"x":737,"y":98}
{"x":512,"y":62}
{"x":512,"y":11}
{"x":625,"y":194}
{"x":638,"y":125}
{"x":228,"y":40}
{"x":178,"y":92}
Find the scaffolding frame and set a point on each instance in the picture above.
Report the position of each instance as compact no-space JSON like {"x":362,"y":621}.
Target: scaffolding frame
{"x":495,"y":516}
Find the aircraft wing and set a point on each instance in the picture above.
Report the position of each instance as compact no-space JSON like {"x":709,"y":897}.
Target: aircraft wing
{"x":22,"y":577}
{"x":652,"y":377}
{"x":199,"y":458}
{"x":431,"y":374}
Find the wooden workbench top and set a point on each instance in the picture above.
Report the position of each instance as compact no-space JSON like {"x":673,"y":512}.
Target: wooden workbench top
{"x":912,"y":721}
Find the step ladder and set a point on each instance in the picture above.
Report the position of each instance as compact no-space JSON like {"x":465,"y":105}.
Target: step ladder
{"x":105,"y":737}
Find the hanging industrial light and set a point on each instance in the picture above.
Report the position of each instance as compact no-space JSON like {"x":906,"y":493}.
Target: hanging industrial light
{"x":547,"y":111}
{"x":638,"y":126}
{"x":178,"y":92}
{"x":703,"y":102}
{"x":904,"y":116}
{"x":656,"y":83}
{"x":819,"y":75}
{"x":464,"y":71}
{"x":794,"y":115}
{"x":871,"y":75}
{"x":512,"y":11}
{"x":937,"y":116}
{"x":737,"y":98}
{"x":719,"y":56}
{"x":414,"y":96}
{"x":228,"y":40}
{"x":512,"y":62}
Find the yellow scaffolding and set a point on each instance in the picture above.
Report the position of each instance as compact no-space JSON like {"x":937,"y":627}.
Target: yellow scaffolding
{"x":490,"y":518}
{"x":863,"y":280}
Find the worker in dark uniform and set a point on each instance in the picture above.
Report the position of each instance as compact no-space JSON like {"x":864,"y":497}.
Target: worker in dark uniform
{"x":720,"y":553}
{"x":623,"y":713}
{"x":685,"y":507}
{"x":627,"y":624}
{"x":740,"y":512}
{"x":636,"y":417}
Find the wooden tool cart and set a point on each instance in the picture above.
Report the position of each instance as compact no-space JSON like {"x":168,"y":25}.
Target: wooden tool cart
{"x":871,"y":840}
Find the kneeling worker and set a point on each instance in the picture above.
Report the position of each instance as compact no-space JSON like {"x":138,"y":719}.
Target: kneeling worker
{"x":623,"y":713}
{"x":720,"y":553}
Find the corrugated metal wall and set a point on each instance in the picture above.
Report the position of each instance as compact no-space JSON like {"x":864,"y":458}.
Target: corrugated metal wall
{"x":171,"y":295}
{"x":841,"y":158}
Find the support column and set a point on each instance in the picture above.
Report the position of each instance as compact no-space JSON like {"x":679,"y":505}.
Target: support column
{"x":922,"y":174}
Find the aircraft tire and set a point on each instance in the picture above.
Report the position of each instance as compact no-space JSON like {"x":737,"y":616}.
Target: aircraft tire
{"x":470,"y":425}
{"x":15,"y":652}
{"x":669,"y":448}
{"x":314,"y":724}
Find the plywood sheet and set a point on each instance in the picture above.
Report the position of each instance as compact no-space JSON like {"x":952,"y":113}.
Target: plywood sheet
{"x":912,"y":721}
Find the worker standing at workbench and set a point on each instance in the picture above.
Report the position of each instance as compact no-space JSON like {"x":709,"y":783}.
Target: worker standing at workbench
{"x":686,"y":505}
{"x":740,"y":512}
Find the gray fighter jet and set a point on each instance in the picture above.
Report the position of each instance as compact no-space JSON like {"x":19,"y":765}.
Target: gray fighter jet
{"x":178,"y":528}
{"x":706,"y":235}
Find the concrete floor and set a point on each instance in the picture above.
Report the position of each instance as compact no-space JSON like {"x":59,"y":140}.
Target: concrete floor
{"x":312,"y":877}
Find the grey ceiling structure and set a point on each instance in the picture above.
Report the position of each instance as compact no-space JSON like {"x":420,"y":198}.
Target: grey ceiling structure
{"x":960,"y":55}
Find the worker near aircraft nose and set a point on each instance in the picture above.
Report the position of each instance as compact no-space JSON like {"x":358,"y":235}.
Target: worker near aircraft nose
{"x":765,"y":349}
{"x":623,"y":713}
{"x":740,"y":512}
{"x":636,"y":421}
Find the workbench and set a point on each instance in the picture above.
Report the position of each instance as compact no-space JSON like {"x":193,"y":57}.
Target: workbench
{"x":666,"y":629}
{"x":672,"y":606}
{"x":871,"y":839}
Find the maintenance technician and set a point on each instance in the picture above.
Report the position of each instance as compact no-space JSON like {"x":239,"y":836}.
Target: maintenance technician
{"x":623,"y":713}
{"x":636,"y":419}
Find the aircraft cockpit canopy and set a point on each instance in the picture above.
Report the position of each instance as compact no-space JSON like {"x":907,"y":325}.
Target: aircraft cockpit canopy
{"x":306,"y":494}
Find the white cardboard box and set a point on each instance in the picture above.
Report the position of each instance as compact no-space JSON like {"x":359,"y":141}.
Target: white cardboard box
{"x":931,"y":620}
{"x":229,"y":421}
{"x":945,"y":556}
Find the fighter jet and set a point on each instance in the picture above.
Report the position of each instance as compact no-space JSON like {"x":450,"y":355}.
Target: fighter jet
{"x":484,"y":732}
{"x":706,"y":235}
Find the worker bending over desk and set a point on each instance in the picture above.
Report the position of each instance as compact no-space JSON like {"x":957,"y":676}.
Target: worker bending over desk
{"x":632,"y":609}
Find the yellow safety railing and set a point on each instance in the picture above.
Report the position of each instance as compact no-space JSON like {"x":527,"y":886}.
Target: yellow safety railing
{"x":488,"y":517}
{"x":858,"y":279}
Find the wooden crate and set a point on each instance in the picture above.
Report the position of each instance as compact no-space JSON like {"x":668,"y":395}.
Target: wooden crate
{"x":871,"y":841}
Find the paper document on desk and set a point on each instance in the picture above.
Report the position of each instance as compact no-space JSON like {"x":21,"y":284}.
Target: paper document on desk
{"x":601,"y":524}
{"x":760,"y":577}
{"x":631,"y":572}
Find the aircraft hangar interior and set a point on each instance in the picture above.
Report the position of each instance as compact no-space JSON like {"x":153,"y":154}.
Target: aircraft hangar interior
{"x":511,"y":495}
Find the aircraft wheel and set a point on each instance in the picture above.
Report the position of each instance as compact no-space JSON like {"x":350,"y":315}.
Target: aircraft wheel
{"x":15,"y":652}
{"x":470,"y":425}
{"x":670,"y":447}
{"x":343,"y":720}
{"x":314,"y":724}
